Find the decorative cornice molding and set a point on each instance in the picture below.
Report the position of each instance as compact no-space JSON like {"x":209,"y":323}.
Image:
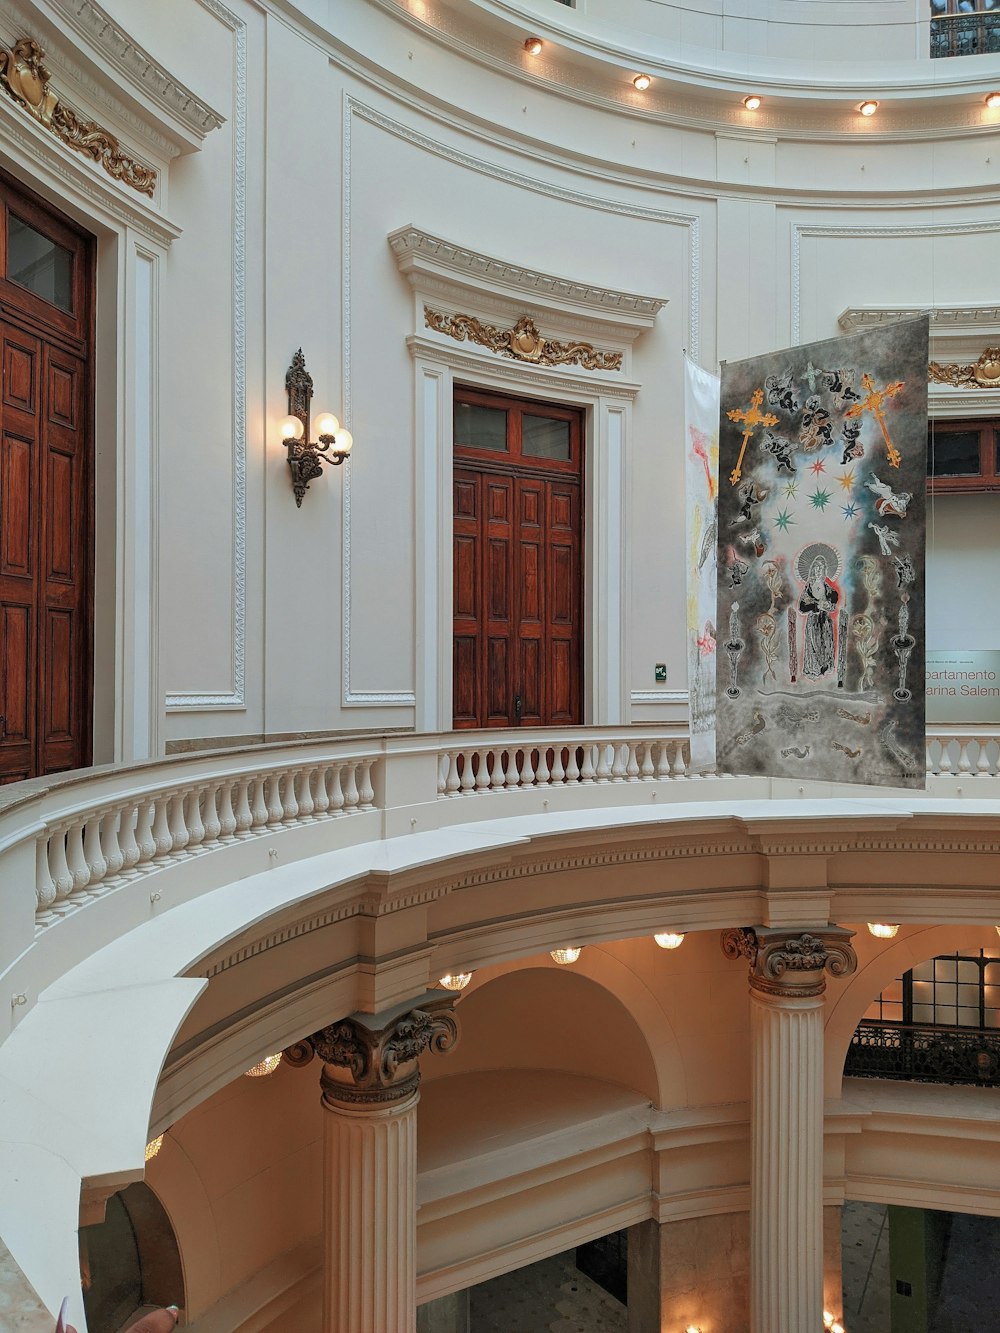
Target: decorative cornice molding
{"x":788,"y":963}
{"x":522,"y":343}
{"x":954,"y":320}
{"x":25,"y":78}
{"x":420,"y":253}
{"x":370,"y":1060}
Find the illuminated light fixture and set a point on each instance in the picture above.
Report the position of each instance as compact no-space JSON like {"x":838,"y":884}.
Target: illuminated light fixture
{"x":153,"y":1147}
{"x":997,"y":929}
{"x":642,"y":82}
{"x":264,"y":1067}
{"x":333,"y":443}
{"x":827,"y":1318}
{"x":883,"y":930}
{"x":669,"y":939}
{"x":567,"y":955}
{"x":456,"y":980}
{"x":836,"y":1327}
{"x":693,"y":1328}
{"x":868,"y":108}
{"x":533,"y":46}
{"x":992,"y":100}
{"x":752,"y":102}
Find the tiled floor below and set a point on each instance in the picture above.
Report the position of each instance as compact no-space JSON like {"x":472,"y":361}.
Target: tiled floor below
{"x":549,"y":1297}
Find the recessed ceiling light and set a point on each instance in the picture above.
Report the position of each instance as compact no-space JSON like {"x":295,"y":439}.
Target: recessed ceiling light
{"x":868,"y":108}
{"x":883,"y":930}
{"x":993,"y":101}
{"x":642,"y":82}
{"x":533,"y":46}
{"x":752,"y":102}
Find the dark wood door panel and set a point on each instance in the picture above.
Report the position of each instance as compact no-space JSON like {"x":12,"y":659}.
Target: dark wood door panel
{"x":518,"y":600}
{"x":17,"y":507}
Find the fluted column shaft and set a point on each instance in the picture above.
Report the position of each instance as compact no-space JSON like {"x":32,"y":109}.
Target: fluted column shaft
{"x":786,"y":1164}
{"x":370,"y":1218}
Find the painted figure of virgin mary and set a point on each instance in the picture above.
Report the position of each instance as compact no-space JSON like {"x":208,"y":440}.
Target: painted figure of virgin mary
{"x":818,"y":565}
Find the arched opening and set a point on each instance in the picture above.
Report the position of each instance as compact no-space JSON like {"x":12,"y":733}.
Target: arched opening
{"x":130,"y":1262}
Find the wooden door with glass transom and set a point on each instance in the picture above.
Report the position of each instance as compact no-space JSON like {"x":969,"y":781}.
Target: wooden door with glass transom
{"x":518,"y":561}
{"x":46,"y":488}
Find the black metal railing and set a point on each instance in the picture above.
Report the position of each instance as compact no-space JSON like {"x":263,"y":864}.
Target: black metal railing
{"x":924,"y":1054}
{"x":965,"y":34}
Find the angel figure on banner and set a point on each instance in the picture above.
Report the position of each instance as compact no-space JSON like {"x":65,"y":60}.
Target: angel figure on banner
{"x":818,"y":565}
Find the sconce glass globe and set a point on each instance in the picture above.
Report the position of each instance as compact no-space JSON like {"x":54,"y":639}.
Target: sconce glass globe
{"x":669,"y":939}
{"x":883,"y":930}
{"x":568,"y":955}
{"x":326,"y":424}
{"x":343,"y":440}
{"x":291,"y":428}
{"x":455,"y":980}
{"x":642,"y":82}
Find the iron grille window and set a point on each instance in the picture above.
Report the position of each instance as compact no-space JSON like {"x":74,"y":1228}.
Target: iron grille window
{"x":957,"y":990}
{"x":965,"y":27}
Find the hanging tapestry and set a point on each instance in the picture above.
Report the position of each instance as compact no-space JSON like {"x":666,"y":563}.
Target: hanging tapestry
{"x":822,"y":488}
{"x":701,"y":419}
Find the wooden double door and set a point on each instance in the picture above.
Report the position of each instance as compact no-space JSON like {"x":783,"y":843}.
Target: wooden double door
{"x":518,"y":560}
{"x":46,"y":302}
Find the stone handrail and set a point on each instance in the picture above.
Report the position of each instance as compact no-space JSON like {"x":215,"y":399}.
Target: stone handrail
{"x":79,"y":837}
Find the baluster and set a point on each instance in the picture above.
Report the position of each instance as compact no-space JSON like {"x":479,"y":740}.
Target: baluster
{"x":258,"y":804}
{"x":983,"y":767}
{"x":483,"y":771}
{"x":178,"y":827}
{"x":241,"y":807}
{"x":944,"y":764}
{"x":453,"y":781}
{"x":62,"y":876}
{"x":127,"y":840}
{"x":114,"y":857}
{"x":511,"y":772}
{"x":662,"y":761}
{"x":647,"y":773}
{"x":573,"y":753}
{"x":527,"y":768}
{"x":227,"y":815}
{"x":964,"y":762}
{"x":558,"y":773}
{"x":366,"y":792}
{"x":680,"y":765}
{"x":605,"y":754}
{"x":337,"y":789}
{"x":588,"y":773}
{"x":210,"y":815}
{"x":543,"y":774}
{"x":322,"y":798}
{"x":497,"y":777}
{"x":306,"y":803}
{"x":97,"y":866}
{"x":195,"y":824}
{"x":144,"y":834}
{"x":351,"y":794}
{"x":76,"y":857}
{"x":289,"y":801}
{"x":632,"y":766}
{"x":275,"y":809}
{"x":467,"y":782}
{"x":161,"y":826}
{"x":444,"y":764}
{"x":930,"y":754}
{"x":45,"y":889}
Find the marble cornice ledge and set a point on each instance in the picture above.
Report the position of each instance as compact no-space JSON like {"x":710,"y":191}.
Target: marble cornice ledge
{"x":422,"y":256}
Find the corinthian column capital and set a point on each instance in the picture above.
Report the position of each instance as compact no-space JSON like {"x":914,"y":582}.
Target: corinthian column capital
{"x":792,"y":960}
{"x":370,"y":1060}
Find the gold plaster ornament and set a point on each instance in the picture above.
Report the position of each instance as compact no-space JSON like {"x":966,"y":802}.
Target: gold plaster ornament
{"x":25,"y":78}
{"x":522,"y":343}
{"x":984,"y":374}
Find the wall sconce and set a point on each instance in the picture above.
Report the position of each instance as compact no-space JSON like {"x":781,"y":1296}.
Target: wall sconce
{"x":333,"y":443}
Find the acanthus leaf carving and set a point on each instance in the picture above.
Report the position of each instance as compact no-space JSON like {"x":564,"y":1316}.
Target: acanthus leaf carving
{"x":523,"y":342}
{"x":982,"y":374}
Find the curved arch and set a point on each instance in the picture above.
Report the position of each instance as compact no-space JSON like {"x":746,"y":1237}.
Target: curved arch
{"x":178,"y":1185}
{"x":875,"y":973}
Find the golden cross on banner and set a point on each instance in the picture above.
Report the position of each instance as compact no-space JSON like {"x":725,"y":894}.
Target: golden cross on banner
{"x":873,"y":404}
{"x":752,"y":417}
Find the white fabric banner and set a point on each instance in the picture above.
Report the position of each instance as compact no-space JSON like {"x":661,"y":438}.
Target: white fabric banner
{"x":701,"y":441}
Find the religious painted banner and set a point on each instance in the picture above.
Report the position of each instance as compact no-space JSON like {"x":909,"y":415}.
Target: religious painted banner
{"x":701,"y":420}
{"x":822,"y":487}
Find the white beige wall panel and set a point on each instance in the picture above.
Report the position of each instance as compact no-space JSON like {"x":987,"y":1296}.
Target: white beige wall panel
{"x":863,"y":166}
{"x":947,"y":1168}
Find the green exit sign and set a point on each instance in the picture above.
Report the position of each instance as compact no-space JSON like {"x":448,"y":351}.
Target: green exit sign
{"x":660,"y":673}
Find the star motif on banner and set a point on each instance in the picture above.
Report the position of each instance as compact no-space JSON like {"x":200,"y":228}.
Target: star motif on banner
{"x":819,"y":499}
{"x":817,"y":467}
{"x":789,"y":489}
{"x":849,"y":511}
{"x":847,"y":481}
{"x":783,"y":519}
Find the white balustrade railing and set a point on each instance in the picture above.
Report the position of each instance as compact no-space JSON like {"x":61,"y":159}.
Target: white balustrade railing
{"x":87,"y":834}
